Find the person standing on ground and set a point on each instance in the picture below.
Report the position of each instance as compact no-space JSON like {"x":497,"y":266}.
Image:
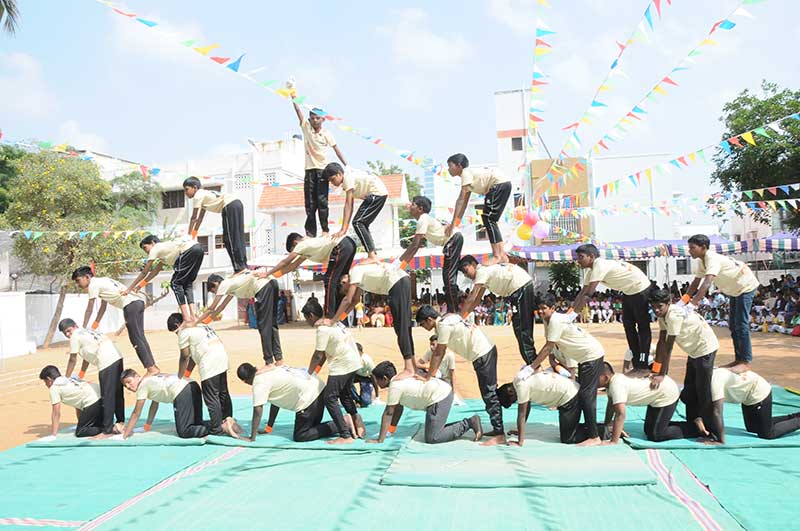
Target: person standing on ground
{"x":733,"y":278}
{"x":635,"y":288}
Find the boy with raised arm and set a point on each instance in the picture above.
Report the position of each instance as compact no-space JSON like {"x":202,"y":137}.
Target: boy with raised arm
{"x":247,"y":285}
{"x":434,"y":396}
{"x":362,"y":185}
{"x":734,"y":279}
{"x":337,"y":253}
{"x":315,"y":186}
{"x":185,"y":256}
{"x":291,"y":389}
{"x":109,"y":291}
{"x":433,"y":230}
{"x":336,"y":345}
{"x":98,"y":350}
{"x":83,"y":396}
{"x":469,"y":342}
{"x":512,"y":283}
{"x":578,"y":345}
{"x":201,"y":346}
{"x":490,"y":183}
{"x":184,"y":395}
{"x":635,"y":287}
{"x":232,"y":212}
{"x":693,"y":334}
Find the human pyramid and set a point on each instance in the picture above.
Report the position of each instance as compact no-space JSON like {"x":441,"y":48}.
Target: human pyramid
{"x":577,"y":367}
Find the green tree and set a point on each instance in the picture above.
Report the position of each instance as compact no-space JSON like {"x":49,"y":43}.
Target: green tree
{"x":413,"y":188}
{"x":53,"y":196}
{"x":9,"y":15}
{"x":772,"y":161}
{"x":564,"y":276}
{"x":135,"y":199}
{"x":8,"y":154}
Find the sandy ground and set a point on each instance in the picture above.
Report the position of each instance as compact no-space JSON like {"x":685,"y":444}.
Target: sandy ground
{"x":25,"y":411}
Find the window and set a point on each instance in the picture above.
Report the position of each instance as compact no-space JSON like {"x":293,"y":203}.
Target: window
{"x":173,"y":199}
{"x":242,"y":181}
{"x":220,"y":244}
{"x":641,"y":264}
{"x":682,"y":266}
{"x":203,"y":241}
{"x":516,"y":143}
{"x":270,"y":178}
{"x":269,"y":240}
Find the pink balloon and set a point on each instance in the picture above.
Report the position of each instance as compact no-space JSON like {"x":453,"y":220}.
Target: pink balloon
{"x":541,"y":230}
{"x":531,"y":218}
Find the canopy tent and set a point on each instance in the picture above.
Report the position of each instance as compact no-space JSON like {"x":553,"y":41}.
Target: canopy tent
{"x":425,"y":258}
{"x":783,"y":241}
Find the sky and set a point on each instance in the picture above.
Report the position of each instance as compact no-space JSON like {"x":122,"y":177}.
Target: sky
{"x":421,"y":75}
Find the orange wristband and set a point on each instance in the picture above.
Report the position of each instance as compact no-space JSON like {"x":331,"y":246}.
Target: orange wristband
{"x":343,"y":316}
{"x":207,"y":320}
{"x":392,"y":429}
{"x":656,"y":367}
{"x":81,"y":374}
{"x":457,"y":222}
{"x":147,"y":427}
{"x":194,"y":234}
{"x":571,"y":310}
{"x":142,"y":283}
{"x":686,"y":299}
{"x":403,"y":264}
{"x":277,"y":274}
{"x":95,"y":325}
{"x":317,"y":369}
{"x":268,"y":429}
{"x":187,"y":373}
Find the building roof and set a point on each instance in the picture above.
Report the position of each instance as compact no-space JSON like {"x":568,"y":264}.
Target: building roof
{"x":280,"y":197}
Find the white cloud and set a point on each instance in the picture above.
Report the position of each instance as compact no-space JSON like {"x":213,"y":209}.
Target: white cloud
{"x":419,"y":48}
{"x":23,"y":88}
{"x":162,"y":42}
{"x":71,"y":133}
{"x":519,"y":15}
{"x":316,"y":81}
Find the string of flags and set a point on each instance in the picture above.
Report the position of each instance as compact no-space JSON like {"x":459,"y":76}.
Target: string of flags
{"x":541,"y":50}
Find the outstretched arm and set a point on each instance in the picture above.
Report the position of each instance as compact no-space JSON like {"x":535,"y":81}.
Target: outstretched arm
{"x":436,"y":359}
{"x":543,"y":354}
{"x":257,"y":412}
{"x":349,"y":302}
{"x":216,"y":307}
{"x":412,"y":248}
{"x":291,"y":262}
{"x":348,"y":214}
{"x":339,"y":154}
{"x":88,"y":313}
{"x":459,"y":209}
{"x":388,"y":418}
{"x":473,"y":300}
{"x":585,"y":292}
{"x":703,"y":289}
{"x":663,"y":355}
{"x":317,"y":360}
{"x":148,"y":273}
{"x":522,"y":418}
{"x":619,"y":422}
{"x":134,"y":418}
{"x":198,"y":214}
{"x":55,"y":419}
{"x":299,"y":112}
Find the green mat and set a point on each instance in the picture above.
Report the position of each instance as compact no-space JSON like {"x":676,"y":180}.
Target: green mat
{"x":760,"y":488}
{"x":162,"y":434}
{"x":467,"y":464}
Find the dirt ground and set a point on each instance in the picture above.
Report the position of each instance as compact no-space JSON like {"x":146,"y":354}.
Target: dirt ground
{"x":25,"y":411}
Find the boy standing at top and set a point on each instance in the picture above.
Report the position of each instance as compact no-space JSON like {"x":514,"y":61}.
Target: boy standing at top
{"x":362,"y":185}
{"x":734,"y":279}
{"x":315,"y":186}
{"x":232,"y":212}
{"x":494,"y":186}
{"x":635,"y":288}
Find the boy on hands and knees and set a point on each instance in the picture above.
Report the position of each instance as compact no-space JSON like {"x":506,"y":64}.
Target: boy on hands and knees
{"x":247,"y":285}
{"x":580,"y":346}
{"x":635,"y":287}
{"x":370,"y":189}
{"x":433,"y":396}
{"x":184,"y":395}
{"x":512,"y":283}
{"x":185,"y":256}
{"x":83,"y":396}
{"x":335,"y":344}
{"x":109,"y":291}
{"x":200,"y":345}
{"x":661,"y":402}
{"x":232,"y":212}
{"x":292,"y":389}
{"x":734,"y":279}
{"x":98,"y":350}
{"x":469,"y":342}
{"x":490,"y":183}
{"x":693,"y":334}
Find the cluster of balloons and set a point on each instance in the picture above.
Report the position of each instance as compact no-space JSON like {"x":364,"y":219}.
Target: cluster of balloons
{"x":531,"y":224}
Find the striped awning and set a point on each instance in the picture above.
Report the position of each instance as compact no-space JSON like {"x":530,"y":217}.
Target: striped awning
{"x":418,"y":262}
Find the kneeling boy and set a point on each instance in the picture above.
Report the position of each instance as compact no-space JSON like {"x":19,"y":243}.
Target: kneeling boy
{"x":83,"y":396}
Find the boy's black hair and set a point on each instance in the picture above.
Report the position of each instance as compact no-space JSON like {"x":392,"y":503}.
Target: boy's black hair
{"x":425,"y":312}
{"x":384,"y":368}
{"x":334,"y":168}
{"x":193,"y":182}
{"x":608,"y":368}
{"x":588,"y":249}
{"x":549,"y":300}
{"x":423,"y":203}
{"x":507,"y":395}
{"x":66,"y":323}
{"x":701,"y":240}
{"x":214,"y":279}
{"x":466,"y":260}
{"x":360,"y":347}
{"x":433,"y":338}
{"x":291,"y":241}
{"x":460,"y":159}
{"x":174,"y":321}
{"x":660,"y":296}
{"x":49,"y":371}
{"x":150,"y":238}
{"x":312,"y":307}
{"x":245,"y":372}
{"x":127,"y":373}
{"x":84,"y":271}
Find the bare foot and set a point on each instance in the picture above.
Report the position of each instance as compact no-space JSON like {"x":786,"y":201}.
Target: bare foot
{"x":502,"y":258}
{"x":708,"y":442}
{"x":403,"y":375}
{"x":153,"y":370}
{"x":513,"y":433}
{"x":101,"y":436}
{"x":279,"y":363}
{"x":595,"y":441}
{"x":738,"y":367}
{"x":341,"y":440}
{"x":494,"y":441}
{"x":119,"y":427}
{"x":475,"y":425}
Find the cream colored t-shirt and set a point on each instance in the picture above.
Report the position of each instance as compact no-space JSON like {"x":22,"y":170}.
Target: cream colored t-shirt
{"x":367,"y":364}
{"x":747,"y":388}
{"x":169,"y":251}
{"x":315,"y":144}
{"x":448,"y":363}
{"x":376,"y":278}
{"x":206,"y":350}
{"x":74,"y":393}
{"x":463,"y":338}
{"x":432,"y":229}
{"x":363,"y":184}
{"x":212,"y":200}
{"x":110,"y":291}
{"x":243,"y":285}
{"x":564,"y":360}
{"x":637,"y":392}
{"x":316,"y":249}
{"x":691,"y":332}
{"x":545,"y":388}
{"x":340,"y":349}
{"x":732,"y":277}
{"x":480,"y":180}
{"x":416,"y":394}
{"x":286,"y":388}
{"x":573,"y":341}
{"x":501,"y":279}
{"x":620,"y":276}
{"x":93,"y":347}
{"x":161,"y":388}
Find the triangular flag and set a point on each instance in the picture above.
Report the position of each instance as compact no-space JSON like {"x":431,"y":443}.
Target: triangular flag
{"x":727,"y":25}
{"x":735,"y":141}
{"x":189,"y":43}
{"x":205,"y":50}
{"x":708,"y":42}
{"x":148,"y":23}
{"x":659,"y":90}
{"x":748,"y":137}
{"x":761,"y":131}
{"x":541,"y":42}
{"x":639,"y":110}
{"x":541,"y":32}
{"x":785,"y":189}
{"x":657,"y":3}
{"x":773,"y":190}
{"x":596,"y":103}
{"x":683,"y":160}
{"x":742,"y":12}
{"x":669,"y":81}
{"x":748,"y":194}
{"x":648,"y":17}
{"x":37,"y":235}
{"x":220,"y":60}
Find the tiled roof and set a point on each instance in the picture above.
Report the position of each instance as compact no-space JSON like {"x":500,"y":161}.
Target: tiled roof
{"x":273,"y":197}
